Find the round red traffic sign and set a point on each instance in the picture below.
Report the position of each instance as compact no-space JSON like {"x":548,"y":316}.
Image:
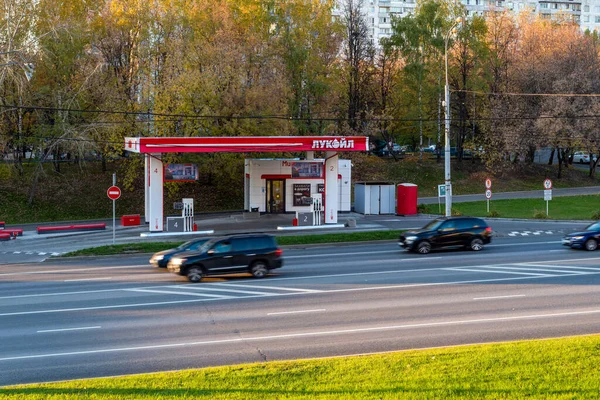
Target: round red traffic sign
{"x":488,"y":183}
{"x":488,"y":194}
{"x":113,"y":192}
{"x":547,"y":184}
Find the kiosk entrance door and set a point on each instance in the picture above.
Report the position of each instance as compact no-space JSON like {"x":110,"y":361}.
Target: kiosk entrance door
{"x":275,"y":195}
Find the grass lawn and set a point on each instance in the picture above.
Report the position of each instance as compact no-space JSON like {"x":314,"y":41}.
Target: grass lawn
{"x":565,"y":368}
{"x":569,"y":208}
{"x":153,"y":247}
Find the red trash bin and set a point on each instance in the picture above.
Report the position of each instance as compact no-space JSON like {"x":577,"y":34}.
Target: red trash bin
{"x":406,"y":199}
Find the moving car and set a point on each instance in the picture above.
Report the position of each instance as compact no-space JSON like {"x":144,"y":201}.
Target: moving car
{"x":582,"y":157}
{"x":587,"y":239}
{"x":256,"y":254}
{"x":162,"y":258}
{"x":469,"y":232}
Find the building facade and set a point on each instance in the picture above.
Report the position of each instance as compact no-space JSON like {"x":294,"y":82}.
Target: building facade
{"x":379,"y":13}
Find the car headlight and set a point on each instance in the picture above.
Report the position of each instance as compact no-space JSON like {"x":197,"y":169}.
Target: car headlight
{"x":411,"y":238}
{"x":158,"y":258}
{"x":178,"y":261}
{"x":577,"y":237}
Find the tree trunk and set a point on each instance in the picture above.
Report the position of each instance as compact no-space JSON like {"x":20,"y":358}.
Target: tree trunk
{"x":551,"y":159}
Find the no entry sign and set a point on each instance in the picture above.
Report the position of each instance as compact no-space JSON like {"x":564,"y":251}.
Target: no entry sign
{"x":113,"y":192}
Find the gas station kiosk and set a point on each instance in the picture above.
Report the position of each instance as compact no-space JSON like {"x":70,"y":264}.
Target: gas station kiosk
{"x":274,"y":185}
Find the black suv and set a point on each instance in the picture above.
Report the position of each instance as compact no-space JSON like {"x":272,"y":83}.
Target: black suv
{"x":468,"y":232}
{"x":253,"y":253}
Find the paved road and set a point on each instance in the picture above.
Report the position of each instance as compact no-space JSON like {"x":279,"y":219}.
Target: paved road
{"x":78,"y":318}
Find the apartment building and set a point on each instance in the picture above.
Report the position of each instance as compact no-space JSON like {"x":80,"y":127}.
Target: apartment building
{"x":586,"y":13}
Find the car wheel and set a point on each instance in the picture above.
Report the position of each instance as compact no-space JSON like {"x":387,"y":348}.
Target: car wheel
{"x":476,"y":244}
{"x":424,"y":247}
{"x":259,"y":269}
{"x":195,"y":274}
{"x":591,"y":244}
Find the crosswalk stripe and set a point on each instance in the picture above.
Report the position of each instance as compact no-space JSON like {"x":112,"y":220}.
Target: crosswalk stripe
{"x":268,"y":287}
{"x":178,"y":293}
{"x":498,"y":272}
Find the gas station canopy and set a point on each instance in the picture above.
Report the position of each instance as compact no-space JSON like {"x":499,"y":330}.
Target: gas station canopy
{"x":245,"y":144}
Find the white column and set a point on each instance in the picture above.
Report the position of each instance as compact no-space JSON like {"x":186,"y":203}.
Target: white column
{"x":154,"y":182}
{"x":331,"y":188}
{"x":147,"y":188}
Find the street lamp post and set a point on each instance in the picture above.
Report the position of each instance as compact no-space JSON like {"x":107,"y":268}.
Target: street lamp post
{"x":447,"y":117}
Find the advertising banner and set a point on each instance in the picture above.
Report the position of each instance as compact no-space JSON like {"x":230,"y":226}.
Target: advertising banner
{"x":304,"y":169}
{"x":302,"y":194}
{"x":181,"y":172}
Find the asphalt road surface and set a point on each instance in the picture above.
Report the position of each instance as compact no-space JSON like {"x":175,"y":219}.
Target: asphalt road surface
{"x":93,"y":317}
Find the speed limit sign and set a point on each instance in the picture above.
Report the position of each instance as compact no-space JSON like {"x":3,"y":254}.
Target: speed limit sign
{"x":547,"y":184}
{"x":488,"y":194}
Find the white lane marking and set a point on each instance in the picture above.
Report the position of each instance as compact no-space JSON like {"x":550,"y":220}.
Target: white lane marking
{"x":70,"y":329}
{"x":499,"y":297}
{"x":178,"y":293}
{"x":228,"y":290}
{"x":537,"y":264}
{"x":88,"y":279}
{"x":268,"y":287}
{"x":360,"y":289}
{"x":70,"y":270}
{"x":296,"y":312}
{"x":491,"y":271}
{"x":307,"y":334}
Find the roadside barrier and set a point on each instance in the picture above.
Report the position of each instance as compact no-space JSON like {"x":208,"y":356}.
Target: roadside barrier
{"x":5,"y":236}
{"x":13,"y":231}
{"x":130,"y":220}
{"x":71,"y":228}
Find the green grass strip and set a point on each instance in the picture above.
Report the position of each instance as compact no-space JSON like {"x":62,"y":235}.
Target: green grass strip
{"x":153,"y":247}
{"x":563,"y":208}
{"x":565,"y":368}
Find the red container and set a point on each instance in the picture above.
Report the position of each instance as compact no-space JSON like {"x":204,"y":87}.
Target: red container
{"x":130,"y":220}
{"x":406,"y":199}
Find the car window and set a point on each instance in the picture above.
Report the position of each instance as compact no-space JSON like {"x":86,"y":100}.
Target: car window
{"x":196,"y":245}
{"x":240,"y":244}
{"x":222,"y":247}
{"x":448,"y":226}
{"x":465,"y":224}
{"x":593,"y":227}
{"x":183,"y":246}
{"x":435,"y":224}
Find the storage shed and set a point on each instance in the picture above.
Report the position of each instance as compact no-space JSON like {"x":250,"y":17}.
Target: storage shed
{"x":374,"y":197}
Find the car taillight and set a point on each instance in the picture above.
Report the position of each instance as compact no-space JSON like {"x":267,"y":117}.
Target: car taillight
{"x":488,"y":229}
{"x":278,"y":252}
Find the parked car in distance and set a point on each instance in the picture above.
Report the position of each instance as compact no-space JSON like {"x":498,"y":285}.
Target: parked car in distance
{"x":581,"y":157}
{"x":468,"y":232}
{"x":162,"y":258}
{"x":587,"y":239}
{"x":256,"y":254}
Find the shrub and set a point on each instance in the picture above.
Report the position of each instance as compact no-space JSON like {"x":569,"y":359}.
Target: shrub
{"x":537,"y":214}
{"x":456,"y":213}
{"x":422,"y":208}
{"x":596,"y":214}
{"x":493,"y":214}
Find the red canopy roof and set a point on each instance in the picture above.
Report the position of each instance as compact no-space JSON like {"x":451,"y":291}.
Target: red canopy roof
{"x":245,"y":144}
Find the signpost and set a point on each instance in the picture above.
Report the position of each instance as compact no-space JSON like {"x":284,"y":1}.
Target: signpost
{"x":114,"y":193}
{"x":441,"y":193}
{"x":547,"y":192}
{"x":488,"y":192}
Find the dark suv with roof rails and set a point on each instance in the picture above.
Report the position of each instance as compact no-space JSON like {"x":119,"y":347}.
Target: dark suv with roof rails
{"x":468,"y":232}
{"x":256,"y":254}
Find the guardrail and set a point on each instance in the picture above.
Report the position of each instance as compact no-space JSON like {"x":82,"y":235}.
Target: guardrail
{"x":70,"y":228}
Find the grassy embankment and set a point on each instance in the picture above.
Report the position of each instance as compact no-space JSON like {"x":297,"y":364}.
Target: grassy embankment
{"x":565,"y":368}
{"x":78,"y":192}
{"x":567,"y":208}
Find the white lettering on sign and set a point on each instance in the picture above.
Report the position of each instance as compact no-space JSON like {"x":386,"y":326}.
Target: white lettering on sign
{"x":342,"y":143}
